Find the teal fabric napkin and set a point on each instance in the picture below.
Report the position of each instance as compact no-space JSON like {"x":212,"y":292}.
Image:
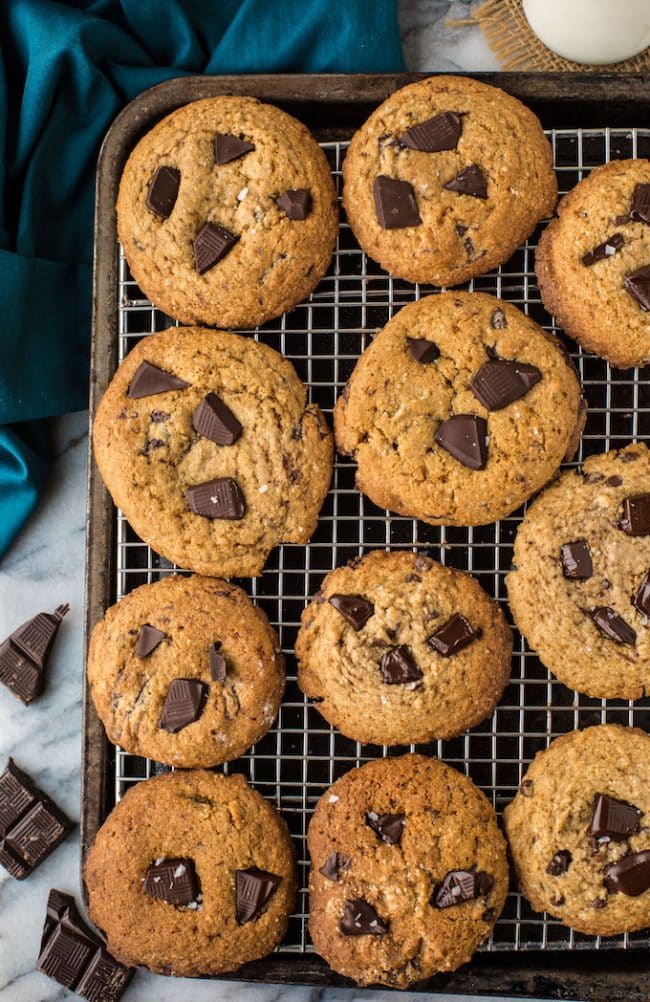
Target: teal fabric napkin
{"x":66,"y":68}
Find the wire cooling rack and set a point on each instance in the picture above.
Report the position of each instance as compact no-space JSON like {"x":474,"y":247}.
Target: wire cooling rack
{"x":323,"y":338}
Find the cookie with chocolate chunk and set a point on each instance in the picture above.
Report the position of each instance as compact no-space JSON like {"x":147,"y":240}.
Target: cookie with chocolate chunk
{"x":446,"y":179}
{"x":579,"y":590}
{"x":192,"y":873}
{"x":227,"y":212}
{"x":421,"y":647}
{"x":186,"y":671}
{"x":206,"y":442}
{"x":460,"y":409}
{"x":579,"y":830}
{"x":593,"y":263}
{"x":408,"y":871}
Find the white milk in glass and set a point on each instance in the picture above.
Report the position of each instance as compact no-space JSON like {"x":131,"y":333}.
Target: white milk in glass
{"x":591,"y":31}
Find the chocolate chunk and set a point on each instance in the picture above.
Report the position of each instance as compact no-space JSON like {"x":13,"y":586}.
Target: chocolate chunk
{"x":423,"y":351}
{"x":334,"y":865}
{"x":622,"y":220}
{"x":220,"y":498}
{"x":218,"y":667}
{"x":148,"y":639}
{"x":434,"y":135}
{"x":461,"y":885}
{"x":560,"y":863}
{"x":24,"y":655}
{"x":576,"y":560}
{"x":211,"y":244}
{"x":163,"y":191}
{"x":460,"y":229}
{"x":389,"y":827}
{"x":498,"y":320}
{"x":254,"y":888}
{"x":395,"y":203}
{"x":361,"y":919}
{"x":640,"y":205}
{"x":452,"y":636}
{"x":228,"y":147}
{"x":173,"y":881}
{"x":631,"y":875}
{"x":355,"y":609}
{"x":158,"y":417}
{"x":214,"y":420}
{"x":629,"y":457}
{"x":149,"y":380}
{"x":469,"y":181}
{"x":614,"y":481}
{"x":489,"y":915}
{"x":637,"y":283}
{"x":75,"y":957}
{"x":614,"y":819}
{"x":608,"y":248}
{"x":31,"y":824}
{"x":599,"y":903}
{"x":500,"y":382}
{"x":613,"y":626}
{"x":641,"y":600}
{"x":526,"y":787}
{"x":636,"y":515}
{"x":296,"y":202}
{"x":398,"y":666}
{"x":557,"y":900}
{"x":464,"y":436}
{"x":183,"y":704}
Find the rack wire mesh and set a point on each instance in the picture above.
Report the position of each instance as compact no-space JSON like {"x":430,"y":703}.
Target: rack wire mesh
{"x":301,"y":756}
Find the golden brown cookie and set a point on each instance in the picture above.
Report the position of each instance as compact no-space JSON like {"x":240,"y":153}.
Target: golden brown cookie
{"x":408,"y":871}
{"x":580,"y":588}
{"x":593,"y":263}
{"x":186,"y":671}
{"x":191,"y":873}
{"x":579,"y":830}
{"x":227,"y":212}
{"x":397,"y":649}
{"x":446,"y":179}
{"x":206,"y":442}
{"x":460,"y":409}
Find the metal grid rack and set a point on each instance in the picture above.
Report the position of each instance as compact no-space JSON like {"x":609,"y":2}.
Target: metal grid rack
{"x":323,"y":338}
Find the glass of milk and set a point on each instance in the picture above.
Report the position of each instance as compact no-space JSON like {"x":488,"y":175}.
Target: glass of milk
{"x":591,"y":31}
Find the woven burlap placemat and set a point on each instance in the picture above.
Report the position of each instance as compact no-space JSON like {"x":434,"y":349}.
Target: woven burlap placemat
{"x":513,"y":42}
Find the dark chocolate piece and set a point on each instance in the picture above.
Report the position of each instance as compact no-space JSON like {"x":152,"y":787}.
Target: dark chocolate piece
{"x":211,"y":244}
{"x":498,"y":320}
{"x":220,"y":498}
{"x":148,"y":639}
{"x":173,"y":881}
{"x":228,"y":147}
{"x":214,"y":420}
{"x":640,"y":205}
{"x":576,"y":560}
{"x":183,"y":704}
{"x":461,"y":885}
{"x":608,"y":248}
{"x":560,"y":863}
{"x":355,"y":609}
{"x":31,"y":824}
{"x":395,"y":203}
{"x":388,"y":827}
{"x":149,"y":380}
{"x":218,"y":666}
{"x":613,"y":626}
{"x":614,"y":819}
{"x":637,"y":283}
{"x":614,"y":481}
{"x":526,"y":787}
{"x":434,"y":135}
{"x":361,"y":919}
{"x":641,"y":600}
{"x":469,"y":181}
{"x":631,"y":875}
{"x":500,"y":382}
{"x":423,"y":351}
{"x":254,"y":888}
{"x":464,"y":436}
{"x":334,"y":865}
{"x":163,"y":191}
{"x":398,"y":666}
{"x":75,"y":957}
{"x":452,"y":636}
{"x":296,"y":202}
{"x":636,"y":515}
{"x":24,"y":655}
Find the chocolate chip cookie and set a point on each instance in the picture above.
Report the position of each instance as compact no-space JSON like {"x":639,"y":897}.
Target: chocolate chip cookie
{"x":420,"y":647}
{"x":206,"y":442}
{"x":446,"y":179}
{"x":460,"y":409}
{"x":191,"y":873}
{"x":227,"y":213}
{"x":408,"y":871}
{"x":186,"y":671}
{"x":580,"y":588}
{"x":593,"y":263}
{"x":579,"y":830}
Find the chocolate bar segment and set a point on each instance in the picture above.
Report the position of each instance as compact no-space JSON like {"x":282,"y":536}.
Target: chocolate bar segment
{"x":23,"y":655}
{"x":31,"y":824}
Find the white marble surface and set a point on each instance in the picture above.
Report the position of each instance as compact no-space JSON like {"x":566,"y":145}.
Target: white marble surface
{"x":45,"y":567}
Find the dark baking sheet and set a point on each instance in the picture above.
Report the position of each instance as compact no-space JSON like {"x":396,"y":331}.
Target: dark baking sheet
{"x":333,"y":106}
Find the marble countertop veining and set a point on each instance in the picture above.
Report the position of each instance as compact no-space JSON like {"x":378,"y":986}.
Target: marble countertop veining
{"x":46,"y":567}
